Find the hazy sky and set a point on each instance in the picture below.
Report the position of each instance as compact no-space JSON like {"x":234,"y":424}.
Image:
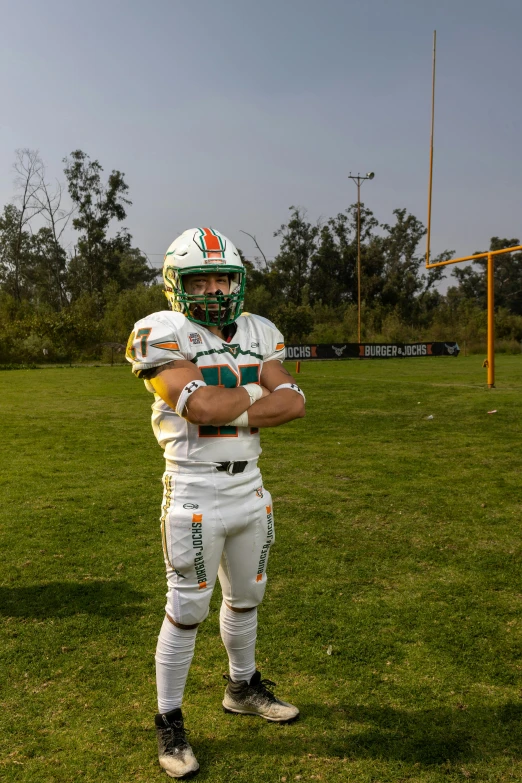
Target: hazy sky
{"x":226,"y":112}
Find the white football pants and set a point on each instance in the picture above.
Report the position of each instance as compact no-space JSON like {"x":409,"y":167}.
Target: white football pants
{"x":214,"y":525}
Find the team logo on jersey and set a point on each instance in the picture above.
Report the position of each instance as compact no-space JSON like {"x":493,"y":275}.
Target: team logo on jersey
{"x":195,"y":338}
{"x":233,"y":349}
{"x":190,"y":505}
{"x":259,"y":492}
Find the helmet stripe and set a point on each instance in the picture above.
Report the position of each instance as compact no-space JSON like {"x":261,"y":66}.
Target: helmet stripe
{"x":220,"y":238}
{"x":211,"y":243}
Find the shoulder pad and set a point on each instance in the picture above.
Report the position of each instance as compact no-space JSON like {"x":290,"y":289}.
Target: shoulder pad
{"x":155,"y":340}
{"x":167,"y":317}
{"x":262,"y":320}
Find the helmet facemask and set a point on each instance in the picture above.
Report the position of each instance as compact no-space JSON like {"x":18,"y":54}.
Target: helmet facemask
{"x":199,"y":307}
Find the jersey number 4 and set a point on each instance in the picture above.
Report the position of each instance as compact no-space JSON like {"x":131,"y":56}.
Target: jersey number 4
{"x":224,"y":375}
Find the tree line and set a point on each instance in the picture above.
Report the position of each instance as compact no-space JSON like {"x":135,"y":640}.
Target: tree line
{"x":61,"y":302}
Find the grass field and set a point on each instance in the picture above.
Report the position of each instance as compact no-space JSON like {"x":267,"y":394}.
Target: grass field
{"x":398,"y":551}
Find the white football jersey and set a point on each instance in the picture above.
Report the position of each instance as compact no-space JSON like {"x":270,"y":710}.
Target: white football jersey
{"x":166,"y":336}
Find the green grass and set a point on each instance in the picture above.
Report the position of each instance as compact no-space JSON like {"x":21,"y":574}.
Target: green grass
{"x":398,"y":548}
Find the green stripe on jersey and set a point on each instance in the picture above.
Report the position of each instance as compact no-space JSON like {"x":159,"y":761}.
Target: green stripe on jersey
{"x":225,"y":350}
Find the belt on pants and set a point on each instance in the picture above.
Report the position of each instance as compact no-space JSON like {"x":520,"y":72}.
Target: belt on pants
{"x":232,"y":467}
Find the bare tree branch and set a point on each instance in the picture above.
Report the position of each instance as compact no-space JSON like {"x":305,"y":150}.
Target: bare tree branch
{"x":257,"y":245}
{"x":28,"y":167}
{"x":50,"y":202}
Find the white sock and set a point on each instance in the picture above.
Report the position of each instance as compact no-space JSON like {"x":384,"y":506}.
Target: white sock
{"x":174,"y":653}
{"x":239,"y":632}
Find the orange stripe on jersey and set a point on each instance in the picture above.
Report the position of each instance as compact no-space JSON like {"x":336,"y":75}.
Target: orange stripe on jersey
{"x":280,"y":346}
{"x":259,"y":577}
{"x":197,"y":518}
{"x":202,"y":585}
{"x":268,"y":509}
{"x":167,"y":346}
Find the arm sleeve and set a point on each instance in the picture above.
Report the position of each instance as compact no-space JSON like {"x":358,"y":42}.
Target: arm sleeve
{"x":151,"y":344}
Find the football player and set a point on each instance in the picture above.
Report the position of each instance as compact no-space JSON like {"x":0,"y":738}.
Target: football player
{"x":217,"y":378}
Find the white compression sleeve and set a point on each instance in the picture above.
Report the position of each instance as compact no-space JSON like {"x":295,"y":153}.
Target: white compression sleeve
{"x":239,"y":632}
{"x":173,"y":658}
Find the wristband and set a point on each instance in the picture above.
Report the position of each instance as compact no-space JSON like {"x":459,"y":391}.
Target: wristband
{"x":254,"y":390}
{"x":187,"y":390}
{"x":293,"y":387}
{"x":239,"y":421}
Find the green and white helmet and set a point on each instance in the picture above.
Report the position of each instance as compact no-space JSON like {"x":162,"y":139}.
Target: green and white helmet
{"x":201,"y":251}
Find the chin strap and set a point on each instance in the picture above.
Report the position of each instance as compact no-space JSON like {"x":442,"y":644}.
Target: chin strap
{"x":216,"y":317}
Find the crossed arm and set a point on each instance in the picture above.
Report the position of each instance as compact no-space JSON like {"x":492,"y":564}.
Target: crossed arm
{"x":216,"y":405}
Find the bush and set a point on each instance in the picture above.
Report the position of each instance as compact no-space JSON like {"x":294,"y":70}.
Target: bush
{"x":125,"y":308}
{"x":295,"y":321}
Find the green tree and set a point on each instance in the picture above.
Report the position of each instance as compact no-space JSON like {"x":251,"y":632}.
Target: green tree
{"x":15,"y":255}
{"x":97,"y":203}
{"x":48,"y":264}
{"x":333,"y":277}
{"x":100,"y":260}
{"x":127,"y":265}
{"x":472,"y":282}
{"x":290,"y":270}
{"x":295,"y":321}
{"x":124,"y":308}
{"x":405,"y":285}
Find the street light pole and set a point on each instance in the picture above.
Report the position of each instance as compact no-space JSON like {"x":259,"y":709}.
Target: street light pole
{"x":358,"y":180}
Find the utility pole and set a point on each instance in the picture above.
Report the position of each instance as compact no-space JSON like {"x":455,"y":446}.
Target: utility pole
{"x":358,"y":179}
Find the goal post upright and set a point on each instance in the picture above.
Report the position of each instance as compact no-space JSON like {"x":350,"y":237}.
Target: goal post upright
{"x":491,"y":322}
{"x":430,"y":182}
{"x":490,"y":363}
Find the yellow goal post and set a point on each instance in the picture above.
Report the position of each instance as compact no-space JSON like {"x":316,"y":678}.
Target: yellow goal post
{"x":490,"y":362}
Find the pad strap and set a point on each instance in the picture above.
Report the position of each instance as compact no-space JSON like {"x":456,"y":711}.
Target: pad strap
{"x":293,"y":387}
{"x":187,"y":390}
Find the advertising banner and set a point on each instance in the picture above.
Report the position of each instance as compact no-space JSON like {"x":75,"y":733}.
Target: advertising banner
{"x":371,"y":350}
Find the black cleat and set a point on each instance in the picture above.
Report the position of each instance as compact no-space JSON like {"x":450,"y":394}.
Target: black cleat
{"x":254,"y":698}
{"x":174,"y":752}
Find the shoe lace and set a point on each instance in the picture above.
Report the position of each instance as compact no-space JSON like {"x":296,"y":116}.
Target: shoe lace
{"x":174,"y":736}
{"x":263,"y":689}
